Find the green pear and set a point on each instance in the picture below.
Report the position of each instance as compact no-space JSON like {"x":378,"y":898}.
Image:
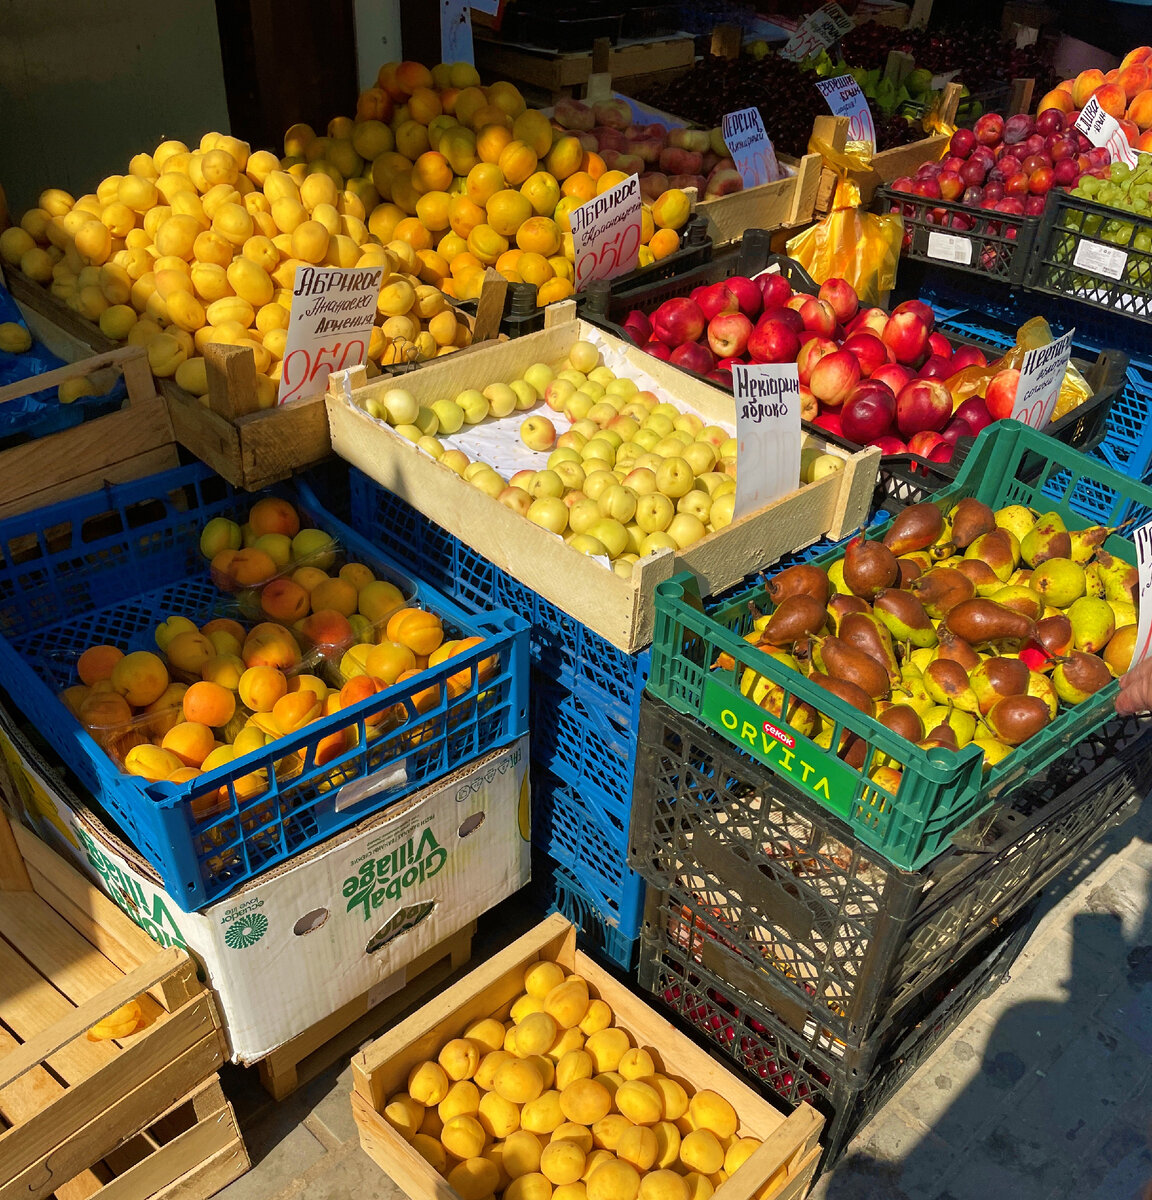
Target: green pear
{"x":1121,"y":580}
{"x":1093,"y":582}
{"x":1040,"y":685}
{"x":1084,"y":542}
{"x":1059,"y":581}
{"x":1022,"y":599}
{"x":962,"y":723}
{"x":994,"y":750}
{"x":995,"y":549}
{"x":1048,"y":538}
{"x":1093,"y":623}
{"x":1017,"y":518}
{"x":1123,"y":613}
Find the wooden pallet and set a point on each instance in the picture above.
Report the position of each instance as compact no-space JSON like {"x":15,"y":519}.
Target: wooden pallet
{"x":136,"y":441}
{"x":786,"y":1160}
{"x":337,"y":1036}
{"x":69,"y":957}
{"x":189,"y":1153}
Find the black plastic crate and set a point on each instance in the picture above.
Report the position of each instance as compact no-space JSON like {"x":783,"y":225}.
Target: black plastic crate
{"x":992,"y":244}
{"x":650,"y":20}
{"x":565,"y":28}
{"x":1097,"y":255}
{"x":813,"y":920}
{"x":788,"y":1068}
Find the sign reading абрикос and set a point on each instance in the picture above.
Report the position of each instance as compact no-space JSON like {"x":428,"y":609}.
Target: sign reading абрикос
{"x":606,"y":233}
{"x":329,"y":326}
{"x":768,"y":434}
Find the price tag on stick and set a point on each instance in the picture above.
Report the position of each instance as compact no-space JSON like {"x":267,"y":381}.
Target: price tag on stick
{"x":329,"y":326}
{"x":606,"y":233}
{"x":1041,"y":374}
{"x":1101,"y":129}
{"x":1143,"y":542}
{"x":767,"y":433}
{"x":823,"y":27}
{"x":845,"y":99}
{"x":750,"y":147}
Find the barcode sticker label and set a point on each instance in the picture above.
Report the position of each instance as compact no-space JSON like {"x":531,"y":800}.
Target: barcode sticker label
{"x":1108,"y":261}
{"x":949,"y":248}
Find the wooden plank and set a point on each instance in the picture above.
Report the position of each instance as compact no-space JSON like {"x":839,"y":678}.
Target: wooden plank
{"x":490,"y":306}
{"x":26,"y":292}
{"x":209,"y":1177}
{"x":337,"y":1036}
{"x":770,"y":206}
{"x":13,"y":872}
{"x":84,"y":366}
{"x":210,"y":437}
{"x":1021,"y":99}
{"x":231,"y":372}
{"x":51,"y":1039}
{"x":123,"y":1116}
{"x":277,"y":442}
{"x":149,"y":1060}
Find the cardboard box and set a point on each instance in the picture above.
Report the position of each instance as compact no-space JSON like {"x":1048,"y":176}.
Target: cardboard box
{"x":344,"y":918}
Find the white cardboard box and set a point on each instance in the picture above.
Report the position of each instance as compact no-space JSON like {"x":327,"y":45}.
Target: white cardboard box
{"x":292,"y":946}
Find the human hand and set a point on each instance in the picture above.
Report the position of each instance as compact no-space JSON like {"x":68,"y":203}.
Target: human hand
{"x":1135,"y":690}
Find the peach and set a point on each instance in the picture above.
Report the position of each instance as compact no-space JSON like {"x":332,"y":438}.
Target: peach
{"x":308,"y":577}
{"x":270,"y":645}
{"x":1134,"y":78}
{"x":421,"y":631}
{"x":152,"y":762}
{"x":337,"y":594}
{"x":326,"y":628}
{"x":1085,"y":84}
{"x":188,"y":652}
{"x":273,"y":515}
{"x":1058,"y":99}
{"x":140,"y":677}
{"x":190,"y":741}
{"x":357,"y":574}
{"x":1111,"y":98}
{"x":261,"y":687}
{"x":295,"y":710}
{"x":285,"y":601}
{"x":208,"y":703}
{"x":1141,"y":54}
{"x":224,"y":669}
{"x":235,"y":569}
{"x":96,"y":662}
{"x":388,"y":661}
{"x":378,"y":600}
{"x":1140,"y":110}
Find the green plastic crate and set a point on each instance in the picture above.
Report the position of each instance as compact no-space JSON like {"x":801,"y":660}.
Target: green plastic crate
{"x":940,"y":790}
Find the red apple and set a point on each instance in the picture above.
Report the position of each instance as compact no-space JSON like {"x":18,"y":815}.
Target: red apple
{"x":658,"y":350}
{"x":870,"y":351}
{"x":974,"y":413}
{"x":810,"y":354}
{"x":906,"y":336}
{"x":747,"y":294}
{"x":638,"y":326}
{"x":968,"y":356}
{"x":923,"y":405}
{"x":833,"y":377}
{"x":830,"y":420}
{"x":868,"y":412}
{"x":841,"y":295}
{"x":774,"y":342}
{"x":922,"y":310}
{"x":925,"y":442}
{"x":715,"y":299}
{"x":728,"y":334}
{"x":893,"y":376}
{"x":677,"y":321}
{"x":1001,"y":394}
{"x":775,"y":289}
{"x":693,"y":356}
{"x":936,"y":367}
{"x":939,"y":344}
{"x":889,"y":444}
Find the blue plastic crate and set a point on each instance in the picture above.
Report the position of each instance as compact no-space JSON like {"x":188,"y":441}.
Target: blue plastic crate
{"x":585,"y":833}
{"x":557,"y":890}
{"x":108,"y":566}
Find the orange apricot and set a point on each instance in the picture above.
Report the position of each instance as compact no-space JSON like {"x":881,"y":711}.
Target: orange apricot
{"x":190,"y":741}
{"x":96,"y":663}
{"x":327,"y":628}
{"x":270,"y":645}
{"x":295,"y":710}
{"x":337,"y":594}
{"x":210,"y":704}
{"x":273,"y":515}
{"x":285,"y":601}
{"x":140,"y":677}
{"x":261,"y":687}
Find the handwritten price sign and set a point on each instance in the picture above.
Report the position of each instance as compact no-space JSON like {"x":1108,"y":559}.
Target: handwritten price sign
{"x":845,"y":99}
{"x":329,"y":327}
{"x":750,"y":147}
{"x":825,"y":26}
{"x":767,"y":433}
{"x":1143,"y":539}
{"x":606,"y":233}
{"x":1041,"y":373}
{"x":1101,"y":129}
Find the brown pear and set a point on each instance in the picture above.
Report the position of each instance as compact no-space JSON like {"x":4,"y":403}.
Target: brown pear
{"x":1079,"y":676}
{"x":943,"y":737}
{"x":916,"y":528}
{"x":1017,"y":718}
{"x":839,"y":659}
{"x":997,"y":550}
{"x":840,"y":605}
{"x":996,"y":678}
{"x":982,"y":622}
{"x":796,"y":617}
{"x":904,"y":617}
{"x":1055,"y":635}
{"x":941,"y":589}
{"x":904,"y":720}
{"x":910,"y":569}
{"x":970,"y":519}
{"x":869,"y":567}
{"x":868,"y":633}
{"x":803,"y":579}
{"x":956,"y":648}
{"x":850,"y":693}
{"x":981,"y":574}
{"x":947,"y":682}
{"x":853,"y":749}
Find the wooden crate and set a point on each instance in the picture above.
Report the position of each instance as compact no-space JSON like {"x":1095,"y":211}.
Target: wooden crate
{"x":113,"y":448}
{"x":188,"y":1153}
{"x":785,"y":204}
{"x":790,"y":1150}
{"x":621,"y":610}
{"x":317,"y":1048}
{"x":68,"y":957}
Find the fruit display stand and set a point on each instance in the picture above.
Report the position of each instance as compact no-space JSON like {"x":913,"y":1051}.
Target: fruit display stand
{"x":145,"y":565}
{"x":70,"y":959}
{"x":138,"y":440}
{"x":785,"y":1161}
{"x":617,"y":608}
{"x":938,"y":793}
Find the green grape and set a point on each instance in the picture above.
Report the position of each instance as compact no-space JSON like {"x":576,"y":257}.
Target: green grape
{"x":1118,"y":172}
